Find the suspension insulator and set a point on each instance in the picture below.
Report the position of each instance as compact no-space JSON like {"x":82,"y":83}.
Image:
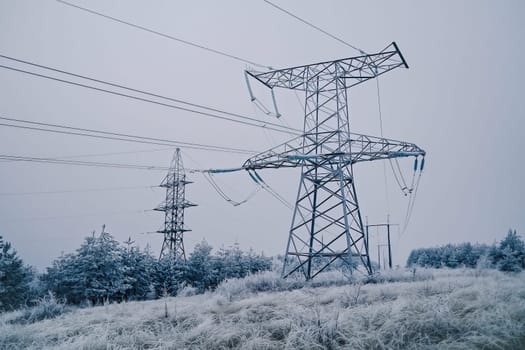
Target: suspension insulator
{"x":253,"y":177}
{"x":277,"y":114}
{"x":422,"y":164}
{"x":252,"y":97}
{"x":258,"y":177}
{"x":415,"y":165}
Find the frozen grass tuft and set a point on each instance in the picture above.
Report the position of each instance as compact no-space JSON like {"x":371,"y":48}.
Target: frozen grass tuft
{"x":270,"y":281}
{"x":46,"y":308}
{"x":438,"y":309}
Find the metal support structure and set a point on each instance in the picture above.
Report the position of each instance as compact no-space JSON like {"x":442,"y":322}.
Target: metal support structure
{"x":327,"y":225}
{"x":173,"y":207}
{"x":389,"y":244}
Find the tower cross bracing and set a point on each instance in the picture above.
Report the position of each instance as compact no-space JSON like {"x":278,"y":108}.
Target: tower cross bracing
{"x":327,"y":225}
{"x":173,"y":207}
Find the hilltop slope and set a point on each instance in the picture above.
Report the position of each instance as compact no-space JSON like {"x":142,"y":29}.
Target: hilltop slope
{"x":451,"y":309}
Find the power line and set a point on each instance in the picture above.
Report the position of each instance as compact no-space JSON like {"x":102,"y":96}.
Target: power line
{"x":120,"y":86}
{"x":115,"y":153}
{"x":261,"y":125}
{"x":387,"y":198}
{"x":74,"y":191}
{"x":110,"y":153}
{"x":250,"y":121}
{"x":118,"y":136}
{"x":80,"y":163}
{"x":186,"y":42}
{"x":313,"y":26}
{"x":119,"y":139}
{"x":122,"y":212}
{"x":209,"y":177}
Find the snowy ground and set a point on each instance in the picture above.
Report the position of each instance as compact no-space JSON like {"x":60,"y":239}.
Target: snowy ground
{"x":439,"y":309}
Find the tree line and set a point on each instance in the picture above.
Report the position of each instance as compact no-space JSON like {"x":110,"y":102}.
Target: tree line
{"x":507,"y":255}
{"x":102,"y":270}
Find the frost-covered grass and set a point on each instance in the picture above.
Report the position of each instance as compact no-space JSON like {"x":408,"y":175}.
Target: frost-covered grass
{"x":438,"y":309}
{"x":46,"y":308}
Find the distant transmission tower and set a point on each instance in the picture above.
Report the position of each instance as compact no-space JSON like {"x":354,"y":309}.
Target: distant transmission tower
{"x":173,"y":207}
{"x":327,"y":224}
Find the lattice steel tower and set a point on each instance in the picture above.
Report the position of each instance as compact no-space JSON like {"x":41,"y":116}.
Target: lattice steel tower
{"x":327,"y":224}
{"x":173,"y":207}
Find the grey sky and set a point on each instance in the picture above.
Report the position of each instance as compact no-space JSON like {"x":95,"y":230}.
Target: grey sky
{"x":461,"y":100}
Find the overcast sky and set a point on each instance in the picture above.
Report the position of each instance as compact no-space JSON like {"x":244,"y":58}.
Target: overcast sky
{"x":462,"y":100}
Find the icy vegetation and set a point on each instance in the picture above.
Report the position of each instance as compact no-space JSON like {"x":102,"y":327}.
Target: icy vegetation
{"x":403,"y":309}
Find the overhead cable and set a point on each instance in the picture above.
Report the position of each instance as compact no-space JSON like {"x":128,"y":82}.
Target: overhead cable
{"x":120,"y":86}
{"x":105,"y":154}
{"x":118,"y":136}
{"x":80,"y":163}
{"x":104,"y":189}
{"x":209,"y":177}
{"x":240,"y":118}
{"x":381,"y":131}
{"x":122,"y":212}
{"x":313,"y":26}
{"x":183,"y":41}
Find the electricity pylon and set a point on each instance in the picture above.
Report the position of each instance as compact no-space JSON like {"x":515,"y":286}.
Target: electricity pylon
{"x":327,"y":224}
{"x":173,"y":207}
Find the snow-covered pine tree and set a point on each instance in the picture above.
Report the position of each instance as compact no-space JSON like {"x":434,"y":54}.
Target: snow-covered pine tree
{"x":169,"y":276}
{"x":94,"y":273}
{"x":101,"y":266}
{"x":200,"y":269}
{"x":139,"y":273}
{"x":509,"y":255}
{"x":15,"y":278}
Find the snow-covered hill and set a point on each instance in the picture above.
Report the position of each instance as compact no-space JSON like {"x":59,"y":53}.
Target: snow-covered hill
{"x":438,"y":309}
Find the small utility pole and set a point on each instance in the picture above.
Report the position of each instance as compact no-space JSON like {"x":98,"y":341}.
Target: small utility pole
{"x":389,"y":244}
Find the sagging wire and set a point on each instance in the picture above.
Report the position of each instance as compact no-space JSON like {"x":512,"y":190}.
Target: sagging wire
{"x":261,"y":184}
{"x":259,"y":181}
{"x":381,"y":130}
{"x":209,"y":177}
{"x":401,"y":183}
{"x":315,"y":27}
{"x":413,"y":192}
{"x":402,"y":186}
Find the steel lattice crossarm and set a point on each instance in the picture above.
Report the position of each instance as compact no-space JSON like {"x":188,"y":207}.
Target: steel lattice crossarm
{"x":362,"y":148}
{"x":353,"y":71}
{"x":171,"y":206}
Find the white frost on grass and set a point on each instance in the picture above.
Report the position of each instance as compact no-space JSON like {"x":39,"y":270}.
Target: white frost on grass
{"x":438,"y":309}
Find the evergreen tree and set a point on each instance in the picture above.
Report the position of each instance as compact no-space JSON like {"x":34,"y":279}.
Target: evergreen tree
{"x":257,"y":262}
{"x":230,"y":263}
{"x":509,"y":255}
{"x":200,"y":267}
{"x":450,"y":255}
{"x":96,"y":272}
{"x":99,"y":263}
{"x":169,"y":276}
{"x":15,"y":278}
{"x":139,"y":273}
{"x":58,"y":279}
